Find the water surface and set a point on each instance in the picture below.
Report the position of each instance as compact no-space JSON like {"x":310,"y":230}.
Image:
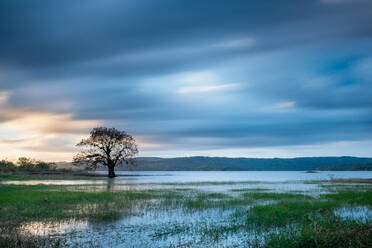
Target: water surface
{"x":176,"y":227}
{"x":179,"y":177}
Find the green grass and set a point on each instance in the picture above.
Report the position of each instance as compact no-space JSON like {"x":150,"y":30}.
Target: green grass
{"x":346,"y":187}
{"x":204,"y":200}
{"x":249,"y":190}
{"x":287,"y":212}
{"x":285,"y":219}
{"x":211,"y":183}
{"x":325,"y":234}
{"x":304,"y":222}
{"x":19,"y":203}
{"x":273,"y":196}
{"x":64,"y":176}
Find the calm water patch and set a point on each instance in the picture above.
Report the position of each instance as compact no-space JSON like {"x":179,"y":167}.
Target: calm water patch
{"x":361,"y":213}
{"x":200,"y":178}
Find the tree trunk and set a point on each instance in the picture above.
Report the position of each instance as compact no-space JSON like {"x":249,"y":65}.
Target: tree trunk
{"x":111,"y":171}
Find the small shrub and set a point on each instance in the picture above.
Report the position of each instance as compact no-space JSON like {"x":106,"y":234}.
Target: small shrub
{"x":28,"y":164}
{"x":7,"y":166}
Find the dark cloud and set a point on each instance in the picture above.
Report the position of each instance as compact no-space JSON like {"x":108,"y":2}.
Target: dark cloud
{"x":82,"y":36}
{"x":302,"y":68}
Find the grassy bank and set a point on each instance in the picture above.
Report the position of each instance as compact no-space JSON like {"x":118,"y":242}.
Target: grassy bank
{"x":54,"y":175}
{"x":44,"y":176}
{"x":31,"y":169}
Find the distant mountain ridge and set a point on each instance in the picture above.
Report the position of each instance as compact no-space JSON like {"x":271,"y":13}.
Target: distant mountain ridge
{"x":199,"y":163}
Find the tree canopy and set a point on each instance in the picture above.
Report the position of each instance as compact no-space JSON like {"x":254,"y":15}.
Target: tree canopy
{"x":107,"y":147}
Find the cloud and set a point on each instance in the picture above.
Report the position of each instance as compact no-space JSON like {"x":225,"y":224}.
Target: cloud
{"x":45,"y":123}
{"x":196,"y":77}
{"x":206,"y":88}
{"x":41,"y":134}
{"x":281,"y":105}
{"x":341,"y":1}
{"x":3,"y":97}
{"x":168,"y":80}
{"x":238,"y":43}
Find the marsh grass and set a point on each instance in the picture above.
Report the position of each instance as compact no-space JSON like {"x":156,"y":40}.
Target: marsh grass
{"x":327,"y":233}
{"x":337,"y":187}
{"x":272,"y":219}
{"x":19,"y":203}
{"x":287,"y":212}
{"x":44,"y":177}
{"x":10,"y":238}
{"x":249,"y":190}
{"x":289,"y":220}
{"x":206,"y":183}
{"x":274,"y":196}
{"x":352,"y":197}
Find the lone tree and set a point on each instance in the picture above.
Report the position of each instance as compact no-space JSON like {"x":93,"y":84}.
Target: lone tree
{"x":108,"y":147}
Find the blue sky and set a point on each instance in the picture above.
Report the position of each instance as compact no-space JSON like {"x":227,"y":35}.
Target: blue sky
{"x":217,"y":78}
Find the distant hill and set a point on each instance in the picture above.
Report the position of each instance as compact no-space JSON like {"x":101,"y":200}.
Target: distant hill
{"x":250,"y":164}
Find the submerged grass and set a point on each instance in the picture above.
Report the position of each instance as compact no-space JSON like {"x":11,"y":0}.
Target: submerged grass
{"x":287,"y":212}
{"x":274,"y":196}
{"x":352,"y":197}
{"x":59,"y":176}
{"x":324,"y":234}
{"x":19,"y":203}
{"x":249,"y":190}
{"x":281,"y":219}
{"x":291,"y":220}
{"x":10,"y":237}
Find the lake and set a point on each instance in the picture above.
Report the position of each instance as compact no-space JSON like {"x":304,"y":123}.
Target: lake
{"x":159,"y":177}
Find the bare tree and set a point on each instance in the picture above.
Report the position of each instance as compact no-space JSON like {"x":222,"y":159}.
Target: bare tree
{"x":108,"y":147}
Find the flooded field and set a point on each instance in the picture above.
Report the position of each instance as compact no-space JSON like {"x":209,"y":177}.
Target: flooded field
{"x":188,"y":209}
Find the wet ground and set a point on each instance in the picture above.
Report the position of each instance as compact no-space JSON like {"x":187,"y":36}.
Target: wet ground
{"x":158,"y":224}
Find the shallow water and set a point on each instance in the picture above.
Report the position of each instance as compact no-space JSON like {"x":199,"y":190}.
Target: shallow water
{"x":361,"y":213}
{"x":218,"y":181}
{"x":204,"y":177}
{"x":175,"y":227}
{"x":234,"y":176}
{"x":150,"y":229}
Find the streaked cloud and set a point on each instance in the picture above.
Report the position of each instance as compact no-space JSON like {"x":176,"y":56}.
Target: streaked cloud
{"x":192,"y":79}
{"x":45,"y":123}
{"x":285,"y":105}
{"x":341,"y":1}
{"x":206,"y":88}
{"x":196,"y":77}
{"x":36,"y":133}
{"x":3,"y":97}
{"x":238,"y":43}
